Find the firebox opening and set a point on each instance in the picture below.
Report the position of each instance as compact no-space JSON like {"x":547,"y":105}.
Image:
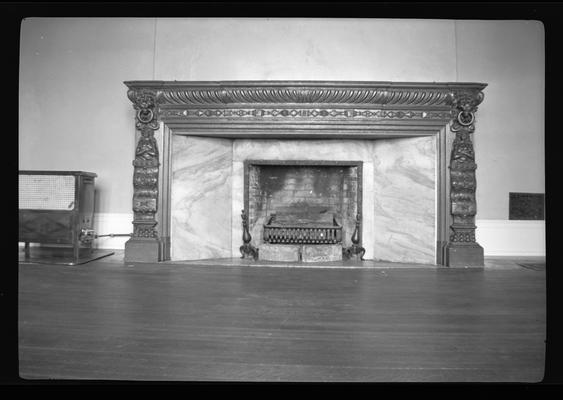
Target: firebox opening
{"x":302,"y":203}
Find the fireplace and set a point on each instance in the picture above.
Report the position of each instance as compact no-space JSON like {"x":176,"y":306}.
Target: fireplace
{"x":310,"y":164}
{"x":297,"y":208}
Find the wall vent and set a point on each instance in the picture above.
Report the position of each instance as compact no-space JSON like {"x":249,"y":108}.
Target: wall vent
{"x":526,"y":206}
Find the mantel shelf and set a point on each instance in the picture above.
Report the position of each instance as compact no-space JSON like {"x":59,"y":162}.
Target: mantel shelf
{"x":298,"y":93}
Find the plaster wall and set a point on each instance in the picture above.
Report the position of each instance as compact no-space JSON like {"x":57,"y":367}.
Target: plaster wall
{"x":75,"y":115}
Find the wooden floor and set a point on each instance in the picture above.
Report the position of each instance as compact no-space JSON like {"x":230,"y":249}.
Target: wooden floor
{"x":108,"y":320}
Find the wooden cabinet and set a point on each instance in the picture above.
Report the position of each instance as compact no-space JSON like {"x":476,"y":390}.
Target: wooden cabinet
{"x":57,"y":207}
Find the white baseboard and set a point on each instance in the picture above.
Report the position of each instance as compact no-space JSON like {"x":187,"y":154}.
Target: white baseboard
{"x":498,"y":237}
{"x":106,"y":223}
{"x":510,"y":237}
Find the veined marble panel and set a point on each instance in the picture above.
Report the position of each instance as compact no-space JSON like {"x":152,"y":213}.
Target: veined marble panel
{"x":398,"y":194}
{"x":275,"y":149}
{"x":405,"y":200}
{"x":201,"y":187}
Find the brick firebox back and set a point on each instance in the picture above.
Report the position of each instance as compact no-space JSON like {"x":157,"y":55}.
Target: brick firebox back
{"x":305,"y":194}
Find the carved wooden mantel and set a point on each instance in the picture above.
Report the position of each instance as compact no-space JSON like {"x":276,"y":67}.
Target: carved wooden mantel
{"x":306,"y":110}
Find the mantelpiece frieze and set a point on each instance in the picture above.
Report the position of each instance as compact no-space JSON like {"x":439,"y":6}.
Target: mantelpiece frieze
{"x":301,"y":113}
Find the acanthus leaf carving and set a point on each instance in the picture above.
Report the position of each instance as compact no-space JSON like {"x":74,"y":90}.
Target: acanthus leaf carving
{"x":328,"y":95}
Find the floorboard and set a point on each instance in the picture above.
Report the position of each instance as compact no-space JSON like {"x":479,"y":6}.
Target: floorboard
{"x":108,"y":320}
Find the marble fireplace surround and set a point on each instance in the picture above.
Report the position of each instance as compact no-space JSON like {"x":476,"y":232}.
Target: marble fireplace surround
{"x":258,"y":119}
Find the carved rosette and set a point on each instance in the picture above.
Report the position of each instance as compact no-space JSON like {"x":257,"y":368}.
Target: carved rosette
{"x":146,"y":164}
{"x":462,"y":167}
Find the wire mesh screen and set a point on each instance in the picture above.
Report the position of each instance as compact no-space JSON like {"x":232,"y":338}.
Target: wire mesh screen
{"x":46,"y":192}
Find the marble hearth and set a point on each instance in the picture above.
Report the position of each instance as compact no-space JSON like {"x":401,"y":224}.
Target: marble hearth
{"x":408,"y":146}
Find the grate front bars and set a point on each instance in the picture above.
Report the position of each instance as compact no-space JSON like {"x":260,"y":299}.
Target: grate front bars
{"x":302,"y":235}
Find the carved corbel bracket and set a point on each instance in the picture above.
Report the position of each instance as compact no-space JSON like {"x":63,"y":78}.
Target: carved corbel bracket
{"x":146,"y":164}
{"x":144,"y":102}
{"x":464,"y":106}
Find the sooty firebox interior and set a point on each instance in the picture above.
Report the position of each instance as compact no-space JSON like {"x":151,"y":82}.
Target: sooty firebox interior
{"x":302,"y":202}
